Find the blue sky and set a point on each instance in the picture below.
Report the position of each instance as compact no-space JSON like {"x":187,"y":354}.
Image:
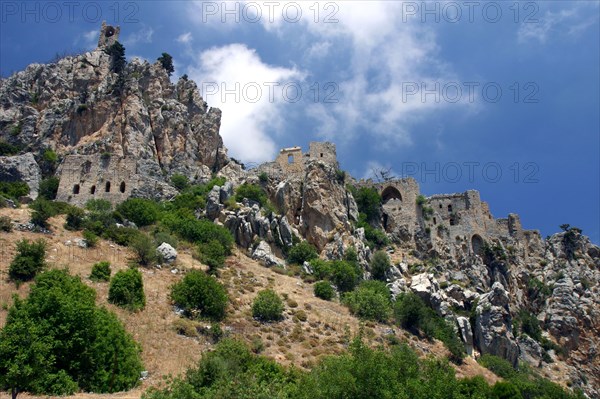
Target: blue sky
{"x":501,"y":97}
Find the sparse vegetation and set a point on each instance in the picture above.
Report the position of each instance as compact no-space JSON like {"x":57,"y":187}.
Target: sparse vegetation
{"x":180,"y":181}
{"x":5,"y":224}
{"x":252,"y":192}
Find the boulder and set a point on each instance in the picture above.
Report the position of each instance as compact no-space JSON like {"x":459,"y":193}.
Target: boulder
{"x":168,"y":253}
{"x":424,"y":285}
{"x":264,"y":255}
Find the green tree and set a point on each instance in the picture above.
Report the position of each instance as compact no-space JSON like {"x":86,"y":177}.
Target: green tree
{"x":142,"y":212}
{"x":167,"y":63}
{"x":212,"y":254}
{"x":56,"y":342}
{"x":251,"y":192}
{"x":200,"y":295}
{"x":100,"y":271}
{"x":368,"y":201}
{"x":371,"y":300}
{"x":117,"y":57}
{"x":302,"y":252}
{"x":180,"y":181}
{"x":75,"y":218}
{"x":29,"y":260}
{"x":345,"y":275}
{"x":143,"y":248}
{"x":127,"y":290}
{"x":324,"y":290}
{"x":380,"y":265}
{"x":49,"y":187}
{"x":267,"y":306}
{"x":42,"y":211}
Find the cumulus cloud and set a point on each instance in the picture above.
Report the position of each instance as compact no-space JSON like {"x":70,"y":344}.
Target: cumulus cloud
{"x":248,"y":91}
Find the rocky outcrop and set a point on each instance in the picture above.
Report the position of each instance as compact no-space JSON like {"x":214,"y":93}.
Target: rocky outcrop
{"x":79,"y":106}
{"x":21,"y":168}
{"x":264,"y":255}
{"x":493,"y":325}
{"x":167,"y":252}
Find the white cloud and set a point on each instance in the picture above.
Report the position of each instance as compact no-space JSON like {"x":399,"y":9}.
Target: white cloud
{"x":384,"y":54}
{"x":144,"y":35}
{"x":235,"y":79}
{"x":185,"y":37}
{"x":88,"y":40}
{"x":570,"y":21}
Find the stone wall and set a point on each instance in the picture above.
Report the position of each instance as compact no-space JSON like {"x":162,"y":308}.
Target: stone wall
{"x":109,"y":35}
{"x":85,"y":177}
{"x":290,"y":159}
{"x":322,"y":151}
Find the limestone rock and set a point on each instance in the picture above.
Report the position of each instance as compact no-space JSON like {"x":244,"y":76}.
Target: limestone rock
{"x":466,"y":333}
{"x":424,"y":285}
{"x":167,"y":252}
{"x":21,"y":168}
{"x":263,"y":254}
{"x":493,"y":327}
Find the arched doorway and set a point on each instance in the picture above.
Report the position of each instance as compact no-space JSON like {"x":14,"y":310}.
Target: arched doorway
{"x":391,"y":193}
{"x":477,"y":244}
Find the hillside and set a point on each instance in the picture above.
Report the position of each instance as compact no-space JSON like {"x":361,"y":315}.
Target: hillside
{"x":120,"y":154}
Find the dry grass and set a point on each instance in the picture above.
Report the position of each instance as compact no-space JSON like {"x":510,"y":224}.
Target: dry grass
{"x":311,"y":327}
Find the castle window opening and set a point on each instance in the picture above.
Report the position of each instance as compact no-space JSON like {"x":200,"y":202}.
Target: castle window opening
{"x":290,"y":159}
{"x":434,"y":221}
{"x":440,"y":206}
{"x":321,"y":155}
{"x":122,"y":187}
{"x":450,"y":208}
{"x":477,"y":244}
{"x":452,"y":221}
{"x":93,"y":190}
{"x":391,"y":193}
{"x":76,"y":189}
{"x":107,"y":187}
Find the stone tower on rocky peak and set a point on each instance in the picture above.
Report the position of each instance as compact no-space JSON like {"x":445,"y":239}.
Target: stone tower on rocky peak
{"x":109,"y":35}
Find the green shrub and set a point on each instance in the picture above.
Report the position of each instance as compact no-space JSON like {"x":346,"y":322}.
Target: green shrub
{"x":100,"y":272}
{"x":98,"y":206}
{"x":125,"y":236}
{"x":251,"y":192}
{"x":200,"y":295}
{"x":144,"y":249}
{"x":380,"y":265}
{"x":376,"y":238}
{"x":180,"y":181}
{"x":322,"y":269}
{"x":166,"y":61}
{"x":75,"y":218}
{"x":302,"y":252}
{"x":127,"y":290}
{"x":263,"y":177}
{"x":42,"y":211}
{"x":140,"y":211}
{"x":368,"y":201}
{"x":90,"y":238}
{"x":500,"y":367}
{"x":324,"y":290}
{"x":528,"y":324}
{"x":267,"y":306}
{"x":49,"y":187}
{"x":412,"y":313}
{"x":161,"y":236}
{"x":212,"y":254}
{"x":505,"y":390}
{"x":57,"y":342}
{"x":5,"y":224}
{"x":13,"y":190}
{"x":184,"y":223}
{"x":344,"y":275}
{"x":371,"y":301}
{"x":29,"y":260}
{"x":7,"y":149}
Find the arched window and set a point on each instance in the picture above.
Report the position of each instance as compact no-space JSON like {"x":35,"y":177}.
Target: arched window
{"x":122,"y":187}
{"x":477,"y":244}
{"x":93,"y":190}
{"x":450,"y":208}
{"x":107,"y":187}
{"x":391,"y":193}
{"x":76,"y":189}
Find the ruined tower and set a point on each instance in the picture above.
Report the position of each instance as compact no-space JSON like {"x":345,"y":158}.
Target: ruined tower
{"x":108,"y":35}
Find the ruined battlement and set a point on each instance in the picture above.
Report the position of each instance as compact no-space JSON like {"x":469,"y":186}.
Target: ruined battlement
{"x":109,"y":35}
{"x":292,"y":160}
